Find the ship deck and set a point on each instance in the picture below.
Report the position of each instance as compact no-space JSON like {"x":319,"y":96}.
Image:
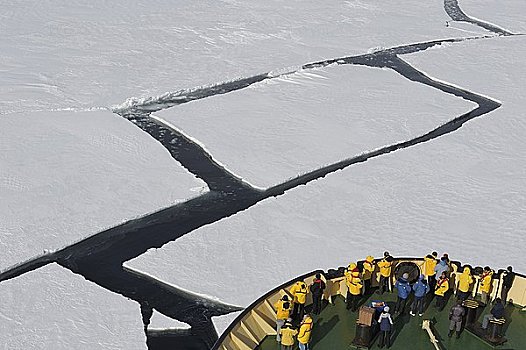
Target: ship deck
{"x":335,"y":328}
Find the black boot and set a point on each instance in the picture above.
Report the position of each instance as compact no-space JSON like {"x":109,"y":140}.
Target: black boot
{"x":450,"y":334}
{"x":458,"y":334}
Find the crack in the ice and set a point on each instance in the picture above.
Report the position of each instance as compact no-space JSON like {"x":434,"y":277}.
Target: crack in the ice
{"x":453,"y":10}
{"x":137,"y":106}
{"x":190,"y":154}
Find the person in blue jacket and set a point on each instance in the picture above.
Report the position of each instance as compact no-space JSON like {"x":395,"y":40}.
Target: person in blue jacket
{"x":421,"y":288}
{"x":442,"y":266}
{"x":404,"y":290}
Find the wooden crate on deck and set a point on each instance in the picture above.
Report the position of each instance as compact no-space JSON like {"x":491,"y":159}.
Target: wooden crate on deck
{"x":366,"y":315}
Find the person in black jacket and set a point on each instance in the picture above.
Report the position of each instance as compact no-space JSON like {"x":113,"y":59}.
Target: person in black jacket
{"x":317,"y":287}
{"x":507,"y":282}
{"x":496,"y":312}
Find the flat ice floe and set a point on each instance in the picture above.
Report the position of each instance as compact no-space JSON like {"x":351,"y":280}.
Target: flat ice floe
{"x":67,"y":175}
{"x":278,"y":129}
{"x":54,"y":309}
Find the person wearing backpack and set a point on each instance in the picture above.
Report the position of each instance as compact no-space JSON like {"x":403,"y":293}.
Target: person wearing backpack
{"x":316,"y":288}
{"x":283,"y":309}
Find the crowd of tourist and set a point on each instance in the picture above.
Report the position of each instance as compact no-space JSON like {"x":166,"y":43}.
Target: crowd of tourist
{"x":434,"y":280}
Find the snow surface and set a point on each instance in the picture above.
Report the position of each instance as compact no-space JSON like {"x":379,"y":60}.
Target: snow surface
{"x":54,"y":309}
{"x":508,"y":14}
{"x":69,"y":167}
{"x":65,"y":176}
{"x":74,"y":54}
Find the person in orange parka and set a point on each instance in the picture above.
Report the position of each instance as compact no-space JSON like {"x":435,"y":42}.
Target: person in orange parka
{"x":486,"y":280}
{"x":354,"y":286}
{"x":441,"y":289}
{"x":283,"y":309}
{"x":304,"y":333}
{"x":299,"y":291}
{"x":465,"y":280}
{"x":430,"y":262}
{"x":367,"y":274}
{"x":385,"y":266}
{"x":288,"y":333}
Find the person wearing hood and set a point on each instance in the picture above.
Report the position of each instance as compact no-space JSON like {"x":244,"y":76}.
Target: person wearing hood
{"x":299,"y":292}
{"x":441,"y":289}
{"x":386,"y":323}
{"x":354,"y":286}
{"x":304,"y":332}
{"x":403,"y":289}
{"x":283,"y":309}
{"x":442,"y":266}
{"x":288,"y":333}
{"x":465,"y":280}
{"x":486,"y":280}
{"x":367,"y":274}
{"x":385,"y":266}
{"x":316,"y":288}
{"x":421,"y":288}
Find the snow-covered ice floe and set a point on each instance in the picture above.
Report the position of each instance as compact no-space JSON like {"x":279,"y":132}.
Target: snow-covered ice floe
{"x":54,"y":309}
{"x":67,"y":175}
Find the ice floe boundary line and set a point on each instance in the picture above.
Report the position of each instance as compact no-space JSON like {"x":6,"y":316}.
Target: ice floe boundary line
{"x":485,"y":105}
{"x":454,"y":11}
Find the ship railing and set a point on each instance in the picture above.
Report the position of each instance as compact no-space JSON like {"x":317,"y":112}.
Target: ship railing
{"x":258,"y":320}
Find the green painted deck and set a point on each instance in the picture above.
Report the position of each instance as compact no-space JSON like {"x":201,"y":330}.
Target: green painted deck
{"x":334,"y":329}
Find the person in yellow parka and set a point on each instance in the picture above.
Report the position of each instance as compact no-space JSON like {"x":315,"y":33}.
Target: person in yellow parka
{"x":305,"y":332}
{"x":283,"y":309}
{"x":441,"y":288}
{"x":430,"y":262}
{"x":288,"y":332}
{"x":367,"y":274}
{"x":486,"y":280}
{"x":385,"y":266}
{"x":299,"y":291}
{"x":354,"y":286}
{"x":465,"y":280}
